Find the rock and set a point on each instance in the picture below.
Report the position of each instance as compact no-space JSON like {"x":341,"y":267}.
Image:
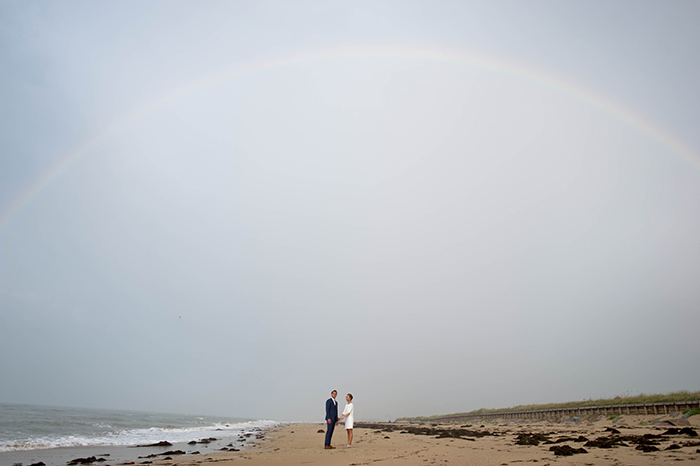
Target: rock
{"x":531,"y":439}
{"x":320,"y":431}
{"x":40,"y":463}
{"x":611,"y":430}
{"x":673,"y":446}
{"x":89,"y":460}
{"x":173,"y":452}
{"x":196,"y":452}
{"x":605,"y":442}
{"x":193,"y":442}
{"x":566,"y":450}
{"x":646,"y":448}
{"x":159,"y":444}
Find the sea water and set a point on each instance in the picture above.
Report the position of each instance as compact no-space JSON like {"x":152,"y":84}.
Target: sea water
{"x":35,"y":428}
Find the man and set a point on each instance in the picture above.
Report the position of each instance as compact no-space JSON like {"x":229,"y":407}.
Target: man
{"x":331,"y":418}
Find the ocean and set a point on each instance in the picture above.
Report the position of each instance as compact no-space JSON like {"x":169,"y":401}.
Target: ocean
{"x":29,"y":434}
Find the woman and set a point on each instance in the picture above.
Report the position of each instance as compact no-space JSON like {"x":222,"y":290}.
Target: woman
{"x":349,"y":416}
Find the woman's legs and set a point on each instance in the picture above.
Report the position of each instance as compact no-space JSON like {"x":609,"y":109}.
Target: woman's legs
{"x":349,"y":436}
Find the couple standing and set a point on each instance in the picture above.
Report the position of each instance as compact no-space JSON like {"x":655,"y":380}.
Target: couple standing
{"x":332,"y":418}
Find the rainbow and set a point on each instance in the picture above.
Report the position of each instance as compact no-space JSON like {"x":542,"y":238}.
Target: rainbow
{"x":428,"y":54}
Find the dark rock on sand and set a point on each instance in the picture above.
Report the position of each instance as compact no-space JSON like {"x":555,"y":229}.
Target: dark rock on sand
{"x":193,"y":442}
{"x":531,"y":439}
{"x":205,"y":440}
{"x":174,"y":452}
{"x":437,"y":431}
{"x":605,"y":442}
{"x":673,"y":446}
{"x":196,"y":452}
{"x":40,"y":463}
{"x":89,"y":460}
{"x":646,"y":448}
{"x":611,"y":430}
{"x":320,"y":431}
{"x":566,"y":450}
{"x":453,"y":433}
{"x":684,"y":431}
{"x":159,"y":444}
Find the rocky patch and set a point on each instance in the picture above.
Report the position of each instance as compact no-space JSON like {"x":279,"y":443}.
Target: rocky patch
{"x":566,"y":450}
{"x":159,"y":444}
{"x":438,"y":432}
{"x":531,"y":439}
{"x":89,"y":460}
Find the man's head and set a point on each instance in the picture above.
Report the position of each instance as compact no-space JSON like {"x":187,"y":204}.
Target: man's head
{"x":334,"y":393}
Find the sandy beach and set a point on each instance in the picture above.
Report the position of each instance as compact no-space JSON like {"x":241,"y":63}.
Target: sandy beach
{"x":629,"y":440}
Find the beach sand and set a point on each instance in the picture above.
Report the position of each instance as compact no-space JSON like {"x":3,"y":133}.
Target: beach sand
{"x":483,"y":444}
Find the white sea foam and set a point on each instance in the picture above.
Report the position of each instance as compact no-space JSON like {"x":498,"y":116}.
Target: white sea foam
{"x":101,"y":428}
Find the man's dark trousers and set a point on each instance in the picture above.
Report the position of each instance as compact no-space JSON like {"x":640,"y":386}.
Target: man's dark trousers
{"x":332,"y":416}
{"x":329,"y":432}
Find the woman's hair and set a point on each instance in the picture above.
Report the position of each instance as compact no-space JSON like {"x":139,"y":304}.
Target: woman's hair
{"x":350,"y":395}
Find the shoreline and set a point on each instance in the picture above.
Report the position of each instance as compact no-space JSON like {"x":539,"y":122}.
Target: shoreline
{"x":112,"y":455}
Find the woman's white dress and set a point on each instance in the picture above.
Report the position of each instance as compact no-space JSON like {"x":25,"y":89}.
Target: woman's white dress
{"x":350,"y":411}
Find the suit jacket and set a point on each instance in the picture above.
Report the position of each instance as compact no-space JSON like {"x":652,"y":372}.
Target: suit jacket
{"x":331,"y":410}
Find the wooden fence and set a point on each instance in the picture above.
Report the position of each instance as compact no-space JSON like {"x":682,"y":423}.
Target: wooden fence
{"x":562,"y":413}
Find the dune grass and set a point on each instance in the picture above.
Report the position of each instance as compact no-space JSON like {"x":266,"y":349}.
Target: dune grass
{"x":683,"y":395}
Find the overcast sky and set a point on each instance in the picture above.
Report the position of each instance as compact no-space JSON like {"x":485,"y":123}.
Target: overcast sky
{"x":235,"y":207}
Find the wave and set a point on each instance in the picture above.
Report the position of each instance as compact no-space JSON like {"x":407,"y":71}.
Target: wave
{"x":133,"y":437}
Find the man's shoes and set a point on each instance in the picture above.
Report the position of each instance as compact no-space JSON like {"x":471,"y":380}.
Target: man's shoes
{"x":330,"y":447}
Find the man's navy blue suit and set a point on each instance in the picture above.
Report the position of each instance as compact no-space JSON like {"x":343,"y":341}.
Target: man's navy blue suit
{"x":331,"y":415}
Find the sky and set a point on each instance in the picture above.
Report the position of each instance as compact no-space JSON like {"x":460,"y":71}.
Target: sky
{"x":235,"y":207}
